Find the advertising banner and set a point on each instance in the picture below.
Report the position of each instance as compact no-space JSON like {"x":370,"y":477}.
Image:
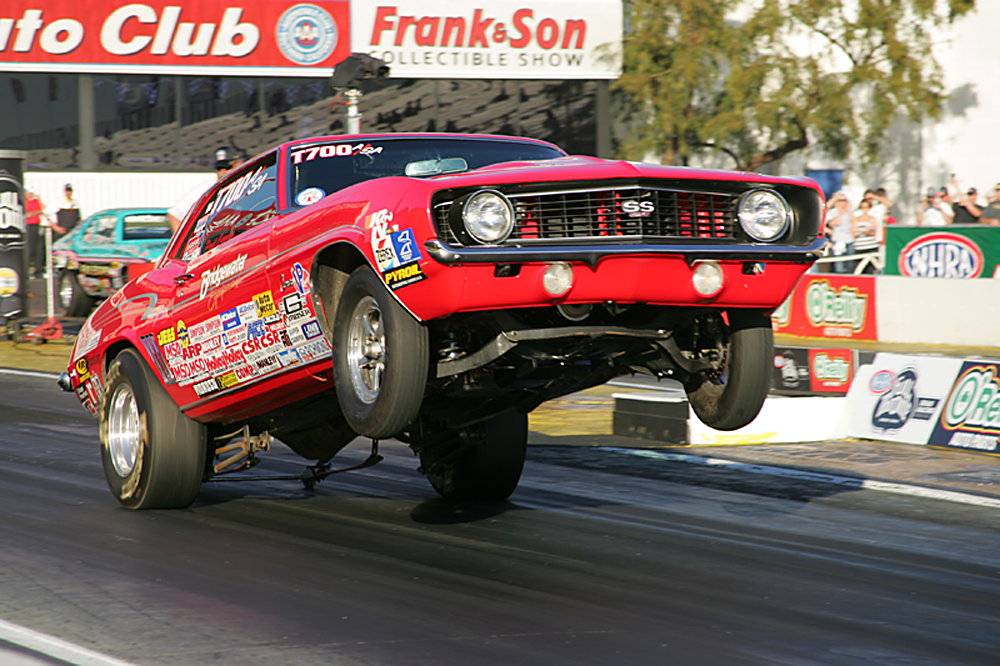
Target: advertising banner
{"x":208,"y":37}
{"x":970,"y":418}
{"x":801,"y":371}
{"x":13,"y":234}
{"x":899,"y":398}
{"x":829,"y":306}
{"x":491,"y":39}
{"x":967,"y":251}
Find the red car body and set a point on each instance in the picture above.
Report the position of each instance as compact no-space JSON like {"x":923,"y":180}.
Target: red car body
{"x":237,"y":323}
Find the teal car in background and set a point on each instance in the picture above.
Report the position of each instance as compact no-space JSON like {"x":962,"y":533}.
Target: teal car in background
{"x":105,"y":251}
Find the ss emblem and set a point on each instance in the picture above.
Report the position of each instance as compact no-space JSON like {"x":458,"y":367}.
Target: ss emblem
{"x":637,"y":208}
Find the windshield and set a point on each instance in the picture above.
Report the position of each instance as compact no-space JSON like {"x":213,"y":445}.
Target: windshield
{"x":323,"y":168}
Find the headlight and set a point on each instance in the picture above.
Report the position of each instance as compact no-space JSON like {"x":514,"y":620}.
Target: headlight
{"x":488,"y":217}
{"x":764,"y":214}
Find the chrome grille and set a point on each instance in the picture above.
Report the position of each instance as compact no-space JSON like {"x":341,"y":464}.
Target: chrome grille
{"x":638,"y":212}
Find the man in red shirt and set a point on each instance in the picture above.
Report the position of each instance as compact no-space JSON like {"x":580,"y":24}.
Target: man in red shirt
{"x":34,"y":214}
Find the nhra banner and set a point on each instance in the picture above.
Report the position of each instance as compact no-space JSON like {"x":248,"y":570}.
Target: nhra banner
{"x":208,"y":37}
{"x":966,"y":251}
{"x":826,"y":305}
{"x":491,"y":39}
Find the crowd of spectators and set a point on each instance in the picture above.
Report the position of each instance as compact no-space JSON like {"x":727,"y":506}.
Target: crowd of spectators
{"x":858,"y":231}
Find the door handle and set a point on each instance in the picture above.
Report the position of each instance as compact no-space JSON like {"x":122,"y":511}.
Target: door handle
{"x":182,"y":278}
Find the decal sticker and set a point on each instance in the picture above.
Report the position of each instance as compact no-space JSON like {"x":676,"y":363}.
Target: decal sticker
{"x":334,"y":150}
{"x":204,"y":330}
{"x":230,"y":319}
{"x":166,"y":336}
{"x":265,"y":305}
{"x":227,"y":380}
{"x":214,"y":276}
{"x":292,"y":303}
{"x":256,"y":329}
{"x":235,"y":336}
{"x":87,"y":340}
{"x":404,"y":276}
{"x":311,"y":329}
{"x":10,"y":282}
{"x":182,"y":334}
{"x":288,"y":357}
{"x":82,"y":370}
{"x":247,"y":310}
{"x":309,"y":196}
{"x":301,"y":277}
{"x":205,"y":387}
{"x":230,"y":194}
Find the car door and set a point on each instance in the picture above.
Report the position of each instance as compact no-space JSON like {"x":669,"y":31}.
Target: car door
{"x":220,"y":300}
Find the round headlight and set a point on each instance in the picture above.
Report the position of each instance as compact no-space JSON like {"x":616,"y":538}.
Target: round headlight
{"x":764,"y":214}
{"x":488,"y":217}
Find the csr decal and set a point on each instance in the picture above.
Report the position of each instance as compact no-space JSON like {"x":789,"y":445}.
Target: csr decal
{"x":971,"y":415}
{"x":941,"y":255}
{"x":826,"y":305}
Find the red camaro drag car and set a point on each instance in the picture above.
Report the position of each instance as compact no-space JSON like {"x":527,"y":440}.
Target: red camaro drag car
{"x":435,"y":289}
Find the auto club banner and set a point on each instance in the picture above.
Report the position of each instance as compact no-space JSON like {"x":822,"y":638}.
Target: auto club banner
{"x":832,"y":306}
{"x":208,"y":37}
{"x":966,"y":251}
{"x":500,"y":39}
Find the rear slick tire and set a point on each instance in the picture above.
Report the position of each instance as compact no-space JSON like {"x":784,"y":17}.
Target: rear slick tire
{"x":153,"y":455}
{"x":735,"y":399}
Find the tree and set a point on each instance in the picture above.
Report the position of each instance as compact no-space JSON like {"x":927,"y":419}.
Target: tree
{"x":760,"y":79}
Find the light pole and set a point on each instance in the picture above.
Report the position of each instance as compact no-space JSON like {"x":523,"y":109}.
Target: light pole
{"x":351,"y":75}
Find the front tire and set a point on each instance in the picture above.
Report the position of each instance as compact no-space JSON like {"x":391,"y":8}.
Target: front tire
{"x":153,"y":455}
{"x":483,"y":463}
{"x":731,"y":398}
{"x":74,"y":300}
{"x":380,"y":358}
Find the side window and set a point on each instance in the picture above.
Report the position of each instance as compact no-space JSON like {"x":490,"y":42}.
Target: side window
{"x":101,"y":231}
{"x":241,"y":202}
{"x":146,"y":227}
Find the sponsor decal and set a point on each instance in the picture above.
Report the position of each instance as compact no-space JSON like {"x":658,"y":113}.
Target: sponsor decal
{"x":900,"y":403}
{"x":638,"y":208}
{"x":222,"y":361}
{"x":215,"y":276}
{"x":245,"y":372}
{"x":309,"y":196}
{"x":292,"y":303}
{"x":166,"y":336}
{"x":970,"y":418}
{"x":230,"y":194}
{"x":227,"y":380}
{"x":311,"y":329}
{"x":205,"y":330}
{"x":82,"y":369}
{"x":881,"y":381}
{"x":312,"y":351}
{"x":301,"y":278}
{"x":86,"y":341}
{"x":404,"y":276}
{"x":10,"y":282}
{"x":182,"y":334}
{"x":265,"y":305}
{"x":287,"y":357}
{"x":297,"y":315}
{"x":235,"y":336}
{"x":829,"y":307}
{"x":296,"y":336}
{"x":266,"y":364}
{"x":306,"y":34}
{"x":334,"y":150}
{"x":205,"y":387}
{"x":826,"y":305}
{"x":256,"y":329}
{"x":941,"y":255}
{"x":230,"y":319}
{"x":830,"y":370}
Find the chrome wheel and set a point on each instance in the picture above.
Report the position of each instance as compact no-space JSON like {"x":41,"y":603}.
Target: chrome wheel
{"x":366,"y":350}
{"x":123,"y":431}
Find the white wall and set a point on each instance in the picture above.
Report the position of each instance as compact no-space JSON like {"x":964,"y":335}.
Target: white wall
{"x":97,"y":191}
{"x":938,"y":311}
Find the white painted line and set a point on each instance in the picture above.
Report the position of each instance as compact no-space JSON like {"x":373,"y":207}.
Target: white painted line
{"x":55,"y":648}
{"x":784,"y":472}
{"x":28,"y":373}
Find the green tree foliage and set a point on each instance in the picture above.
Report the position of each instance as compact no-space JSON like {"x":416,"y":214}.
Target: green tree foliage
{"x":760,"y":79}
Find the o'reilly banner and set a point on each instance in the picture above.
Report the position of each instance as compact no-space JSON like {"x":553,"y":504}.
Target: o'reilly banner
{"x":499,"y":39}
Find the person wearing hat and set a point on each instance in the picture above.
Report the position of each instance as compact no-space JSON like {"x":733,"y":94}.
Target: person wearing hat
{"x":226,"y":159}
{"x":935,"y":211}
{"x":67,"y":215}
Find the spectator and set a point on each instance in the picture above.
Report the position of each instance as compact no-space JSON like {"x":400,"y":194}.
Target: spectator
{"x":880,"y":204}
{"x":935,"y":211}
{"x":67,"y":215}
{"x":991,"y":214}
{"x":34,"y":213}
{"x":839,"y":229}
{"x":226,"y":159}
{"x":965,"y":210}
{"x":866,"y":228}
